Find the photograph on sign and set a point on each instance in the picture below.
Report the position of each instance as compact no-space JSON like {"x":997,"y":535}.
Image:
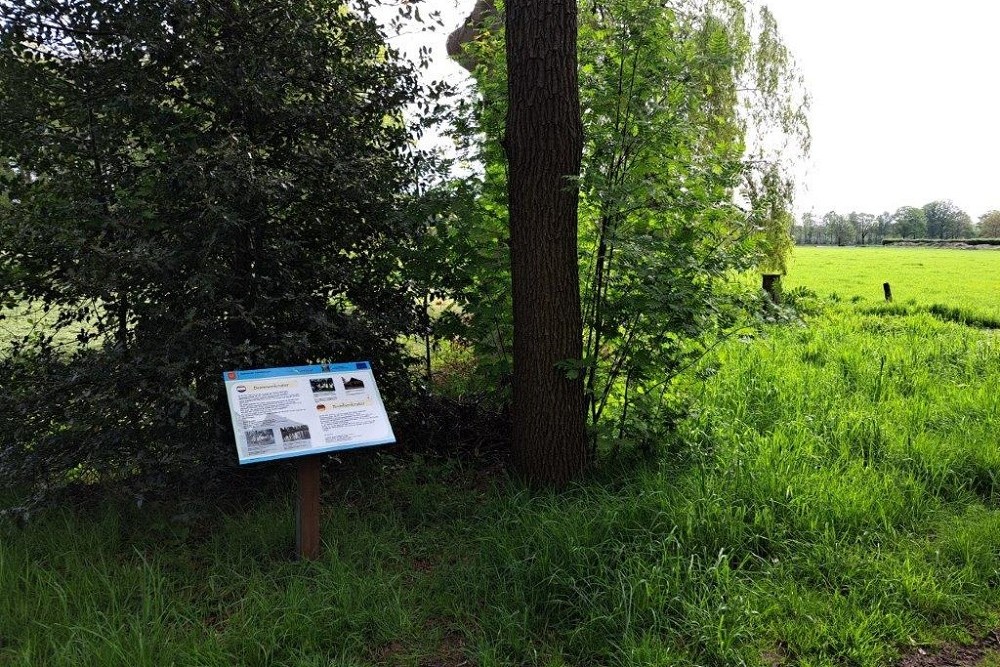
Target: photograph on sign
{"x":283,"y":412}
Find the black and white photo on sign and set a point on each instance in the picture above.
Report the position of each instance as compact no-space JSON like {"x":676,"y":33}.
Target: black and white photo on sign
{"x":320,"y":385}
{"x":295,"y":433}
{"x":260,"y":437}
{"x":352,"y":384}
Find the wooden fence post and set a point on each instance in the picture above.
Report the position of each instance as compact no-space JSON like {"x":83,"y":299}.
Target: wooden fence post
{"x":307,"y":533}
{"x":772,"y":285}
{"x":888,"y":292}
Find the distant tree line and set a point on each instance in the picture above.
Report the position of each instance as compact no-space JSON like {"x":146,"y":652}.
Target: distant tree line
{"x":936,"y":220}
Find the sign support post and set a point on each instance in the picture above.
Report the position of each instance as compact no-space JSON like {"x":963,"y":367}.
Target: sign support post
{"x":307,"y":533}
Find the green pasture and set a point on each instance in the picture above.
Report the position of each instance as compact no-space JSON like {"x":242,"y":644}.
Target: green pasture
{"x":832,"y":501}
{"x":967,"y":280}
{"x":21,"y":321}
{"x":30,"y":322}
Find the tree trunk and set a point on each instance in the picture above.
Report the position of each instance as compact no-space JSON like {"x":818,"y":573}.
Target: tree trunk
{"x":544,"y":143}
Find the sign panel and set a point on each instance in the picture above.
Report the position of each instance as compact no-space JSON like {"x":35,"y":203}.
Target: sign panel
{"x":278,"y":413}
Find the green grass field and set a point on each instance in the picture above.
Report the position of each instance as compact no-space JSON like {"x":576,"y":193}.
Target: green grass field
{"x":968,"y":280}
{"x":833,"y":501}
{"x":32,"y":321}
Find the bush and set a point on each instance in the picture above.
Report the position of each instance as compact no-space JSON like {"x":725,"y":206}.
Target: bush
{"x":944,"y":242}
{"x":193,"y":188}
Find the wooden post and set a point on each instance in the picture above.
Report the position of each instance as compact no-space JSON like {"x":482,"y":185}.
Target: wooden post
{"x":888,"y":292}
{"x":772,"y":285}
{"x":307,"y":534}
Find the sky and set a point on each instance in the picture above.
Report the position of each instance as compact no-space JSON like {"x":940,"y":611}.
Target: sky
{"x":905,"y":100}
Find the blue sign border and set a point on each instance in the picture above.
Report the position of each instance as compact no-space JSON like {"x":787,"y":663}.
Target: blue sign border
{"x":314,"y":369}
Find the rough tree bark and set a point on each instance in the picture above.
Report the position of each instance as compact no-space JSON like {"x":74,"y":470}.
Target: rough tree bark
{"x":544,"y":143}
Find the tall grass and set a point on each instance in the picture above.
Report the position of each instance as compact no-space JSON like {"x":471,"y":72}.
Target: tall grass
{"x":833,"y":501}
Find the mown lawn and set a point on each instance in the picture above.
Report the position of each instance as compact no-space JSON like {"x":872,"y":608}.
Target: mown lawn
{"x":966,"y":280}
{"x":833,"y":501}
{"x":31,"y":321}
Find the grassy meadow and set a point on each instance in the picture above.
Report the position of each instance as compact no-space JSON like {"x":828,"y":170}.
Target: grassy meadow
{"x":833,"y":500}
{"x":964,"y":280}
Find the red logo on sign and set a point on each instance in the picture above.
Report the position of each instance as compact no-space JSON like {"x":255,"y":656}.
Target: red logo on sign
{"x":232,"y":375}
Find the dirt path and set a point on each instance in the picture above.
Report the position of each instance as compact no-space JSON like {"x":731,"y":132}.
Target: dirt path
{"x":956,"y":656}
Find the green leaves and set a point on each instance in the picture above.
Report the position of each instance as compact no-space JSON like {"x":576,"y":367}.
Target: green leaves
{"x":663,"y":161}
{"x":195,"y":187}
{"x":660,"y":237}
{"x":574,"y":369}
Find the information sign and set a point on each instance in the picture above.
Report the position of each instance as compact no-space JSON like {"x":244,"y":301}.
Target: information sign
{"x":279,"y":413}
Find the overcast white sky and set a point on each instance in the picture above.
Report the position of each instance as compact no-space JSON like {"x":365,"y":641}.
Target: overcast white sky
{"x":905,"y":100}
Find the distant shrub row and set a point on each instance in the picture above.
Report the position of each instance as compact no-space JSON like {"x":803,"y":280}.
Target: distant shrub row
{"x":938,"y":242}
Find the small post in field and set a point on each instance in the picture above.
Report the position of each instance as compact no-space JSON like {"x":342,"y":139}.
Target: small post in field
{"x":888,"y":292}
{"x":772,"y":285}
{"x":307,"y":509}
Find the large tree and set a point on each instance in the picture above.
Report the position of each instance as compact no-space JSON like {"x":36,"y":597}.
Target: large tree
{"x":807,"y":229}
{"x":863,"y":225}
{"x":669,"y":96}
{"x":989,"y":225}
{"x":883,"y":223}
{"x":544,"y":143}
{"x":838,"y":229}
{"x":909,"y":222}
{"x":945,"y":220}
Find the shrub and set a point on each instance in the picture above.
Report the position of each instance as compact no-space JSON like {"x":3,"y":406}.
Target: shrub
{"x":193,"y":187}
